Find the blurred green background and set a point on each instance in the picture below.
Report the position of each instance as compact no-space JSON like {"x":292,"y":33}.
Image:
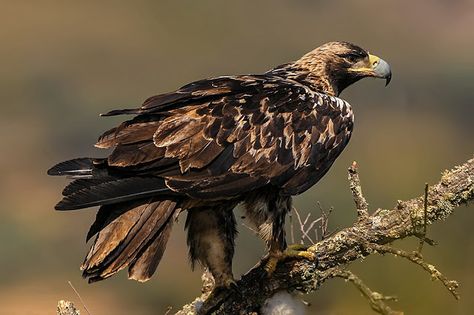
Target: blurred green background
{"x":64,"y":62}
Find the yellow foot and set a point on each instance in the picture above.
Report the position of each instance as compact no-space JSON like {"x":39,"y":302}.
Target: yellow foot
{"x":297,"y":247}
{"x":294,"y":251}
{"x":218,"y":295}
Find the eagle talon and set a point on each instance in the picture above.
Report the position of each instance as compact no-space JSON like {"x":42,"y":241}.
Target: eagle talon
{"x":232,"y":286}
{"x":294,"y":251}
{"x":218,"y":295}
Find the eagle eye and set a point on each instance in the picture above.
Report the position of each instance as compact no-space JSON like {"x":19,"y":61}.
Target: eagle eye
{"x":351,"y":57}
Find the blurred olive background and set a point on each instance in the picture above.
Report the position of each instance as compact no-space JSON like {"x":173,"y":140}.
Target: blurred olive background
{"x":64,"y":62}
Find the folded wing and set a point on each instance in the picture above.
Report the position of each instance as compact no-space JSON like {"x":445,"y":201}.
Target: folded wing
{"x":219,"y":138}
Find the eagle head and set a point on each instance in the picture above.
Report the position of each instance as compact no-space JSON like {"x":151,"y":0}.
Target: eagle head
{"x":334,"y":66}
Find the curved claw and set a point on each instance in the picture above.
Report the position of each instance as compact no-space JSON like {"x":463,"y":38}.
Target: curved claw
{"x":294,"y":251}
{"x":218,"y":296}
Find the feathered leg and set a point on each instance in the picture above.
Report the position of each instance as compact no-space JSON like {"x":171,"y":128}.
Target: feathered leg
{"x":267,"y":213}
{"x":211,"y":233}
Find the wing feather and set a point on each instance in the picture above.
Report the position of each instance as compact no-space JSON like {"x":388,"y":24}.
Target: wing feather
{"x":127,"y":133}
{"x":126,"y":155}
{"x":224,"y":136}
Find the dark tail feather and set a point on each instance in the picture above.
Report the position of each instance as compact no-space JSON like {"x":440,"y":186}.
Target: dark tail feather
{"x":145,"y":265}
{"x":103,"y":191}
{"x":80,"y":166}
{"x":94,"y":185}
{"x":133,"y":235}
{"x":80,"y":184}
{"x":128,"y":111}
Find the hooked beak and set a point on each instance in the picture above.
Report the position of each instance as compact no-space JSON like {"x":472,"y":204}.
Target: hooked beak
{"x":380,"y":68}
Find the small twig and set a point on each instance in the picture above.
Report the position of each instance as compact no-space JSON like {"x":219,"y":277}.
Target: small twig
{"x":303,"y":229}
{"x":310,"y":227}
{"x":354,"y":183}
{"x":250,"y":228}
{"x":306,"y":226}
{"x":325,"y":222}
{"x":306,"y":303}
{"x":414,"y":257}
{"x":301,"y":224}
{"x":306,"y":220}
{"x":376,"y":300}
{"x":80,"y":298}
{"x":428,"y":241}
{"x":425,"y":213}
{"x":292,"y":232}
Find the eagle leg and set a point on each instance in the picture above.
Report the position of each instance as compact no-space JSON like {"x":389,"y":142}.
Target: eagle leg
{"x":211,"y":234}
{"x":267,"y":212}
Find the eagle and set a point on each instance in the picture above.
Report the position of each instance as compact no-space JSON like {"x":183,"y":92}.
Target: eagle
{"x":255,"y":140}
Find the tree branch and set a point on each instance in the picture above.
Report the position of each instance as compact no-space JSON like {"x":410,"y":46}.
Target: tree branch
{"x":368,"y":235}
{"x":354,"y":184}
{"x":376,"y":300}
